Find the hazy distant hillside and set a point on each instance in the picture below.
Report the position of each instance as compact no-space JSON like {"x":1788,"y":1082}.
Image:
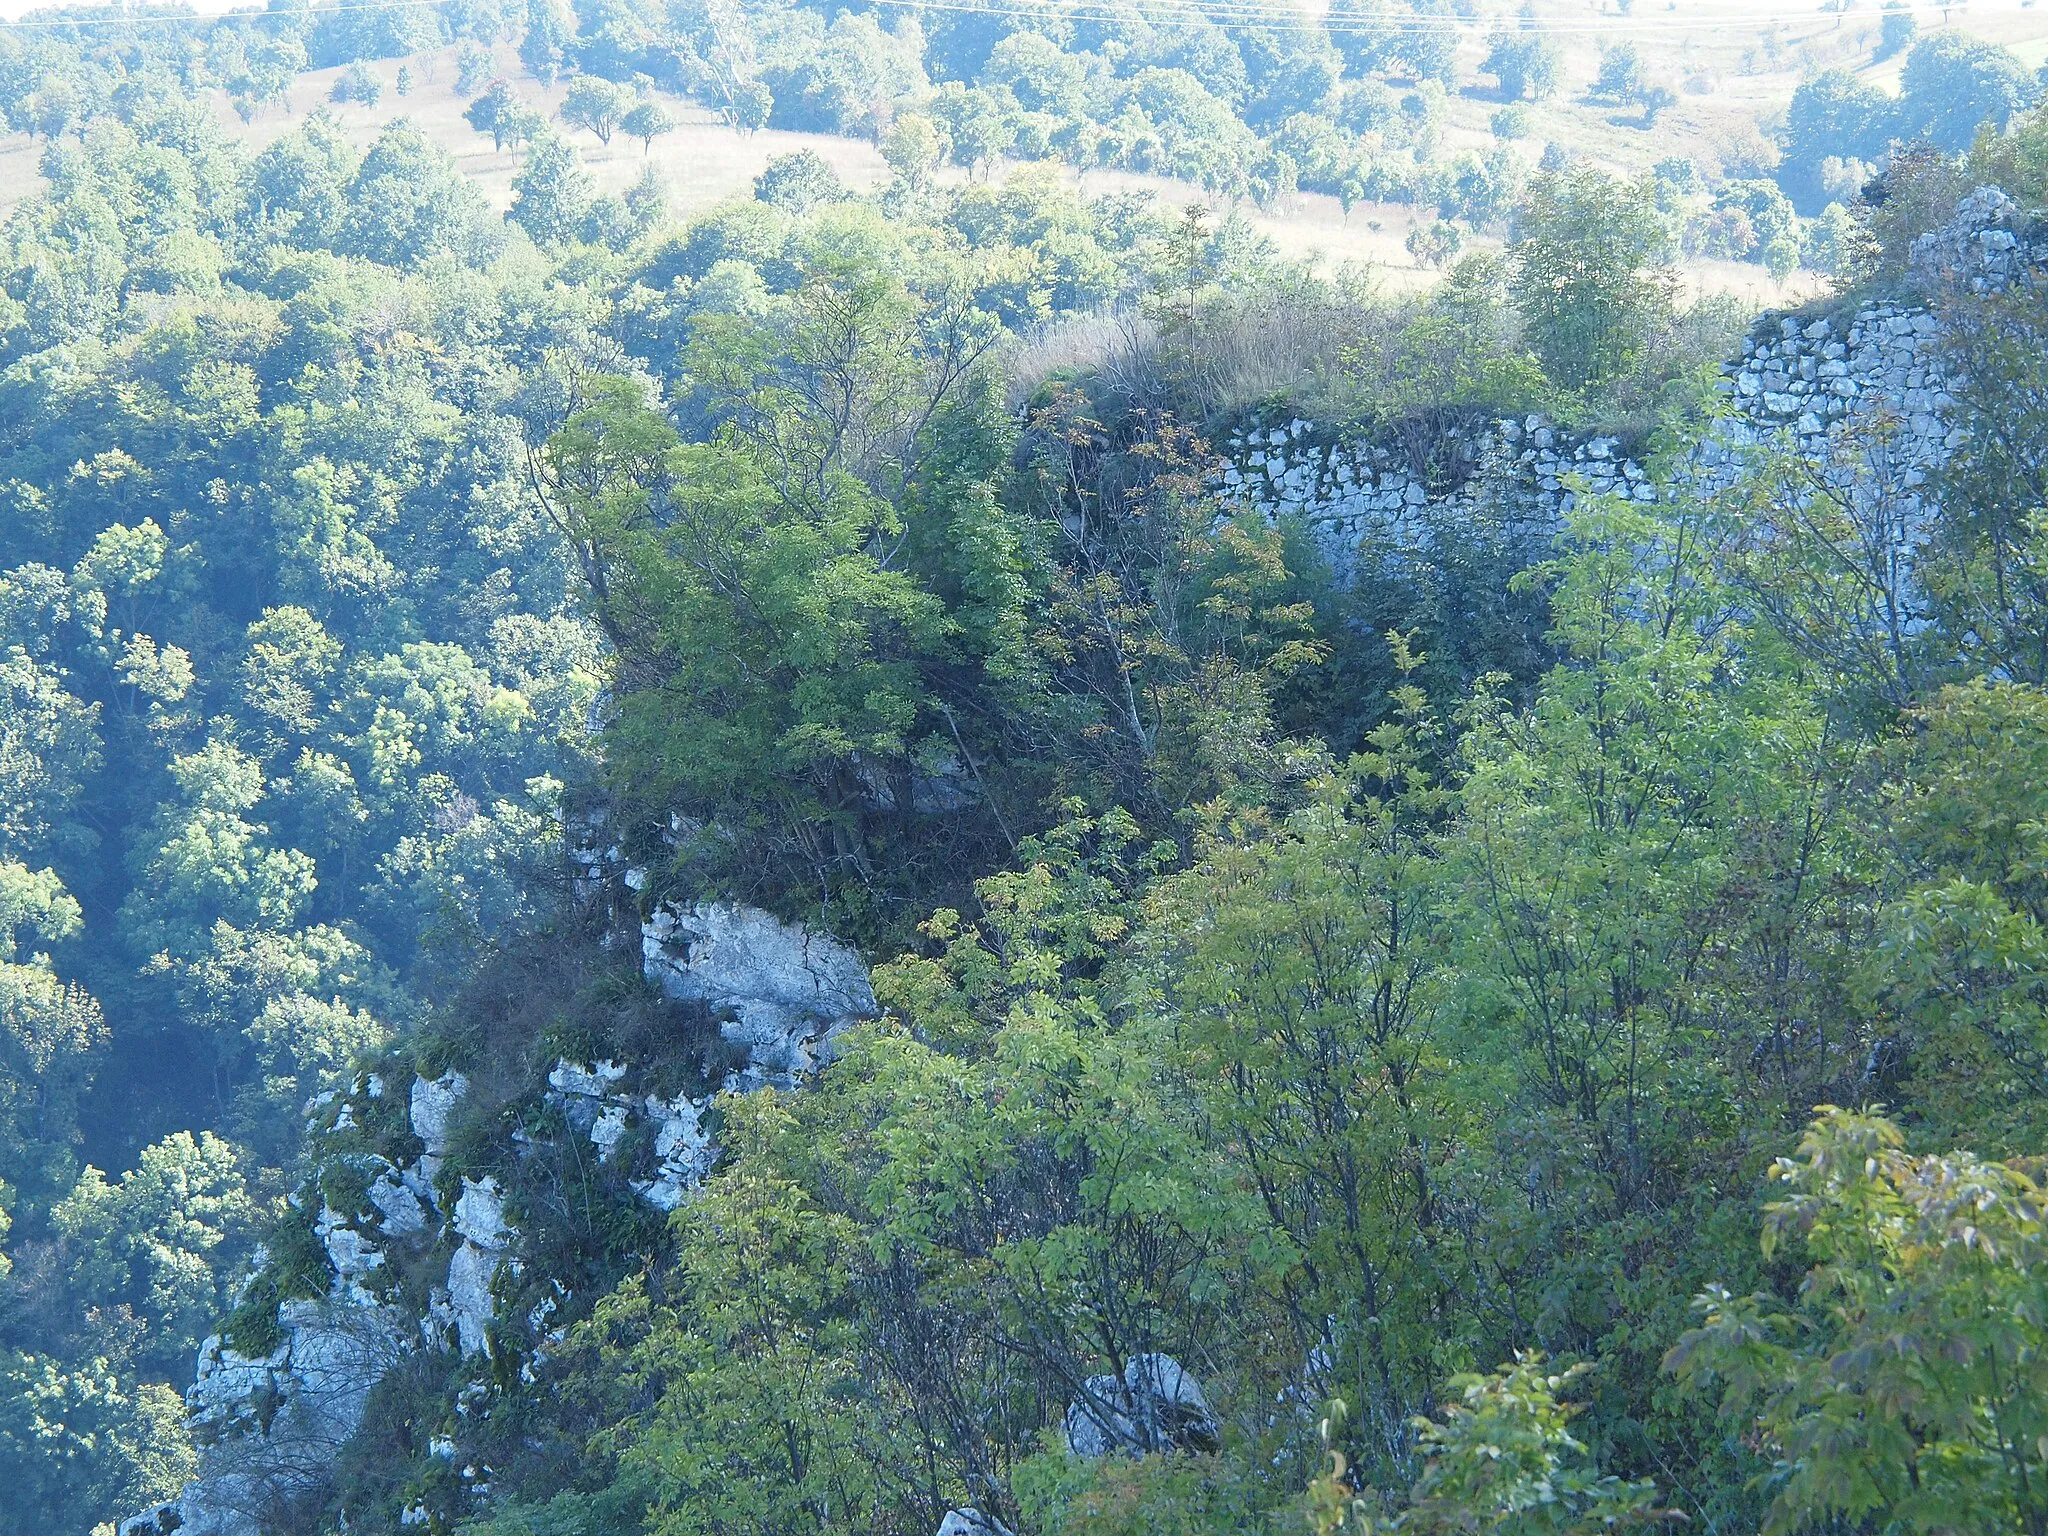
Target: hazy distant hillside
{"x":1390,"y":120}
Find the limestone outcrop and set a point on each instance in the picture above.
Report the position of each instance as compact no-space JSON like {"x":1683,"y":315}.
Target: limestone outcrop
{"x":778,"y":989}
{"x":270,"y":1425}
{"x":971,"y":1522}
{"x":1154,"y":1405}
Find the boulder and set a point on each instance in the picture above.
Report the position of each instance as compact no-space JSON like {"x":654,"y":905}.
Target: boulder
{"x":592,"y":1082}
{"x":480,"y":1213}
{"x":402,"y":1212}
{"x":433,"y":1107}
{"x":778,"y":989}
{"x":470,"y":1305}
{"x":1154,"y":1405}
{"x":971,"y":1522}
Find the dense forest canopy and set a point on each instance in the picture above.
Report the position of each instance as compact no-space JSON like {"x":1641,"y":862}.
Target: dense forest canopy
{"x":1531,"y":1017}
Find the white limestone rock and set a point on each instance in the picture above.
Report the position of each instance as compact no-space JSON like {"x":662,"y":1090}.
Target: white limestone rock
{"x":271,"y":1425}
{"x":971,"y":1522}
{"x":470,"y":1303}
{"x":432,"y":1109}
{"x":592,"y":1082}
{"x":608,"y":1130}
{"x":480,"y":1213}
{"x":779,"y":989}
{"x":1156,"y":1403}
{"x":352,"y":1255}
{"x":685,"y":1150}
{"x":401,"y":1210}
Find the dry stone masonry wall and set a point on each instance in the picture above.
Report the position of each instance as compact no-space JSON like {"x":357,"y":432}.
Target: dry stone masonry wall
{"x":1803,"y":382}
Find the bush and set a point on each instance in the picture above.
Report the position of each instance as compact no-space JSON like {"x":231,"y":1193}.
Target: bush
{"x":797,"y":183}
{"x":1434,"y":245}
{"x":1510,"y":122}
{"x":356,"y":84}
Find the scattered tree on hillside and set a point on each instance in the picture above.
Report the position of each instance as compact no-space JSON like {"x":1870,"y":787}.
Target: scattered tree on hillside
{"x":492,"y":112}
{"x":1434,"y":245}
{"x":596,"y":104}
{"x":798,"y":182}
{"x":1526,"y":63}
{"x":647,"y":121}
{"x":356,"y":83}
{"x":1621,"y":75}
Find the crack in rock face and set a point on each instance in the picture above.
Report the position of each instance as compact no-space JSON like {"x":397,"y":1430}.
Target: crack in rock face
{"x":778,"y":989}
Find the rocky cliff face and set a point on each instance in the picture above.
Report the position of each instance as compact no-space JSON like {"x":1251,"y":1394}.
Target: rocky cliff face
{"x":271,"y":1423}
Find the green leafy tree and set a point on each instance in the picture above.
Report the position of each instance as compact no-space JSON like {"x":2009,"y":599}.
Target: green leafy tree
{"x":979,"y":127}
{"x":411,"y":203}
{"x":1305,"y":968}
{"x":1961,"y":967}
{"x":799,"y":182}
{"x":760,"y":621}
{"x":81,"y":1438}
{"x":1835,"y":114}
{"x":162,"y":1241}
{"x":596,"y":104}
{"x":49,"y":745}
{"x":1620,"y":78}
{"x":1585,"y":277}
{"x":1526,"y":64}
{"x":49,"y":1027}
{"x":356,"y":84}
{"x":759,"y":1374}
{"x":914,"y":149}
{"x":647,"y":121}
{"x":551,"y":194}
{"x":543,"y":44}
{"x":1895,"y":31}
{"x":494,"y":112}
{"x":1859,"y":1419}
{"x":1952,"y":83}
{"x":301,"y":182}
{"x":211,"y":865}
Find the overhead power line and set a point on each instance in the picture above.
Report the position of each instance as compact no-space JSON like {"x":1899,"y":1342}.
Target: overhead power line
{"x":1346,"y":22}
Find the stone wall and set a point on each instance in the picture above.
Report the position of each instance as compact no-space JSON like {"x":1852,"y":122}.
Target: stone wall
{"x":1802,"y":382}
